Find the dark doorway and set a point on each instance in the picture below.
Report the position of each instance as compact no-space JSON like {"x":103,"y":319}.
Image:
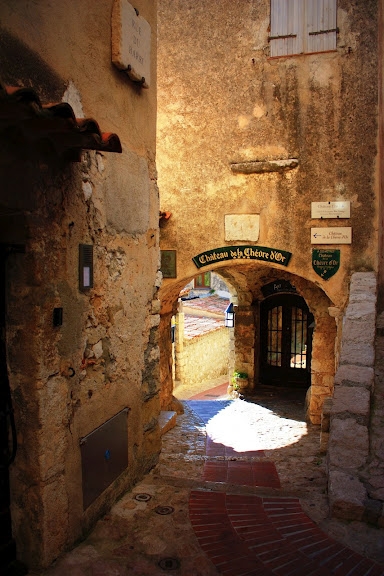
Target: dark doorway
{"x":285,"y":341}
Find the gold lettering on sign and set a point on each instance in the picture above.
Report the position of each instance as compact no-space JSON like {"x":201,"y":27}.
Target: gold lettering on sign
{"x":242,"y":252}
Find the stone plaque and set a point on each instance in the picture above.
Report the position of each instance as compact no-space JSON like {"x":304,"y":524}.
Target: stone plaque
{"x":242,"y":227}
{"x":272,"y":255}
{"x":331,"y":209}
{"x":325,"y":262}
{"x":131,"y":42}
{"x":342,"y":235}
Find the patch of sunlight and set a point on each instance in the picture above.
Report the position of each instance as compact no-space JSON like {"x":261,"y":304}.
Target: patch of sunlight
{"x":247,"y":427}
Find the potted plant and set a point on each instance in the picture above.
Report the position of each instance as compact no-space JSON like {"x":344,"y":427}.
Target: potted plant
{"x":240,"y":379}
{"x":238,"y":383}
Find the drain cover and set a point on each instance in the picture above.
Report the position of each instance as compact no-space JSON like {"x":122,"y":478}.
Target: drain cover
{"x":143,"y":497}
{"x":169,"y":564}
{"x":164,"y":510}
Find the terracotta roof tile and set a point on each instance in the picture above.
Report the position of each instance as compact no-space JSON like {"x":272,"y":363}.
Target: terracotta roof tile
{"x":195,"y":326}
{"x":25,"y":118}
{"x":210,"y":303}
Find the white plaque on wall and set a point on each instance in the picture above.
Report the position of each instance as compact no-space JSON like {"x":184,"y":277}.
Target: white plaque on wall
{"x":244,"y":227}
{"x":331,"y":209}
{"x":340,"y":235}
{"x":131,"y":42}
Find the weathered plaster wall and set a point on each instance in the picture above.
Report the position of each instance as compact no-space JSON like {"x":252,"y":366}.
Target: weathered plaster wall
{"x":69,"y":380}
{"x":223,"y":101}
{"x":201,"y":358}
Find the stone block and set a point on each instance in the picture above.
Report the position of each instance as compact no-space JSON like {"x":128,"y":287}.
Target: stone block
{"x":167,"y":421}
{"x":363,"y":283}
{"x":362,"y":311}
{"x":127,"y":196}
{"x":348,"y":444}
{"x":177,"y":406}
{"x":242,"y":227}
{"x":54,"y":524}
{"x":359,"y":330}
{"x":324,"y":438}
{"x":326,"y":415}
{"x":321,"y":391}
{"x":346,"y":496}
{"x":351,"y":399}
{"x":357,"y":353}
{"x":156,"y":306}
{"x":353,"y":375}
{"x":373,"y":510}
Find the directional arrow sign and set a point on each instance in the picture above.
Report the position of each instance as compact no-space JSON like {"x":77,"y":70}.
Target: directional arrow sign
{"x":339,"y":235}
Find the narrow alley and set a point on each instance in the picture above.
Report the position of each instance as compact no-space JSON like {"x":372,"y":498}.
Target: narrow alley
{"x":240,"y":489}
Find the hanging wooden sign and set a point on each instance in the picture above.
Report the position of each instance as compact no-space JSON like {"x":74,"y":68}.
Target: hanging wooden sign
{"x":325,"y":262}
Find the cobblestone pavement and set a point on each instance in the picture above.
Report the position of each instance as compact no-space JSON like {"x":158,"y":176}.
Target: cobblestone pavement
{"x":239,"y":490}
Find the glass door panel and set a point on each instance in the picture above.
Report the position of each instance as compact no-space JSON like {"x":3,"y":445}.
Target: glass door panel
{"x":285,"y":340}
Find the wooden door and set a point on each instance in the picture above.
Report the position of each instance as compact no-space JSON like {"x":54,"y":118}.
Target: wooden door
{"x":286,"y":341}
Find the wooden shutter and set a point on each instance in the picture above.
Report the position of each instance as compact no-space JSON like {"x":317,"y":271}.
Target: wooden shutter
{"x":287,"y":25}
{"x":320,"y":25}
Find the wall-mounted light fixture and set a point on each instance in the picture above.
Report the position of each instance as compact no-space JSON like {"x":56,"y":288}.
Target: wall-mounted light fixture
{"x":85,"y":266}
{"x":229,"y":321}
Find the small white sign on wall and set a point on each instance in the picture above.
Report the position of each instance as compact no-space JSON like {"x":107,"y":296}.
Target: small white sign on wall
{"x":331,"y":209}
{"x":340,"y":235}
{"x":131,"y":42}
{"x":244,"y":227}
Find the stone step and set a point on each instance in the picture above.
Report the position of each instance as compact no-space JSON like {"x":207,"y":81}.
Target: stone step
{"x":167,"y":420}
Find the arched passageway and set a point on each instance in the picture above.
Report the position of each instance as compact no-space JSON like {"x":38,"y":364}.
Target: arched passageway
{"x":253,"y":287}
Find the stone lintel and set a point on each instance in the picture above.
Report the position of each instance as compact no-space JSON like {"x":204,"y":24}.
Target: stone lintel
{"x":261,"y":167}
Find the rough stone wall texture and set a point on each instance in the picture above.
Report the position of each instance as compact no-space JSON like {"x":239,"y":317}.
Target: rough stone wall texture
{"x":202,"y":358}
{"x":69,"y":380}
{"x":355,"y":444}
{"x":222,"y":103}
{"x":228,"y":114}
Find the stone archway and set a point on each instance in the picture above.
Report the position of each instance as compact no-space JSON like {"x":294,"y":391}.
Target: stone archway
{"x":247,"y":280}
{"x":169,"y":297}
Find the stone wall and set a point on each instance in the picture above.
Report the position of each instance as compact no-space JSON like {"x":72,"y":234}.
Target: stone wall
{"x":255,"y":146}
{"x":200,"y":359}
{"x":355,"y":446}
{"x":69,"y":380}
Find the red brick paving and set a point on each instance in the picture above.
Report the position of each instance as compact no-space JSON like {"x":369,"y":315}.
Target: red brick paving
{"x":242,"y":473}
{"x":214,"y":449}
{"x":247,"y":535}
{"x":216,"y":392}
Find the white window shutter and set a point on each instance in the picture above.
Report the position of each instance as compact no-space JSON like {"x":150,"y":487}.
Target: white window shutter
{"x":321,"y":25}
{"x":287,"y":24}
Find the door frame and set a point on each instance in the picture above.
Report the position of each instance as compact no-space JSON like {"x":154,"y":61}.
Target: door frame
{"x":285,"y":375}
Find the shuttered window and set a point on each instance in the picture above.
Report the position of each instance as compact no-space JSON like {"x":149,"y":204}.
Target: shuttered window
{"x":302,"y":26}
